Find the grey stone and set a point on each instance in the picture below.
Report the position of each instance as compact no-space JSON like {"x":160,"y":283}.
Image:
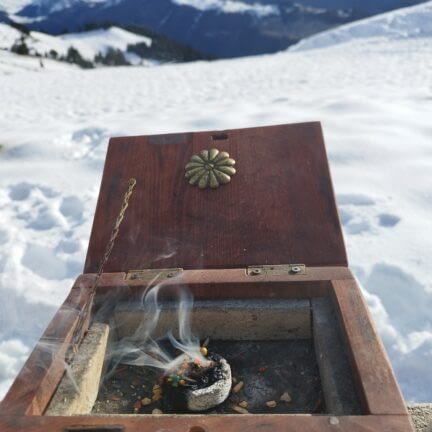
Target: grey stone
{"x":209,"y":397}
{"x":250,"y":319}
{"x":79,"y":387}
{"x":421,"y":415}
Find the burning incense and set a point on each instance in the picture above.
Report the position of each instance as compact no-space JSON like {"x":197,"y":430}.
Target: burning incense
{"x":193,"y":378}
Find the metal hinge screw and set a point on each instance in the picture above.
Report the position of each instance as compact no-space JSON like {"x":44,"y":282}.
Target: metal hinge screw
{"x":256,"y":271}
{"x":296,"y":269}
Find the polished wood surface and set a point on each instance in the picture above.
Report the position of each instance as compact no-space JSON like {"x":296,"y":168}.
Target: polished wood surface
{"x":376,"y":384}
{"x":209,"y":423}
{"x":375,"y":377}
{"x":278,"y":209}
{"x":38,"y":379}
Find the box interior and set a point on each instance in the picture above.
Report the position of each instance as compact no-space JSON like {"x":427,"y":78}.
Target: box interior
{"x":274,"y":346}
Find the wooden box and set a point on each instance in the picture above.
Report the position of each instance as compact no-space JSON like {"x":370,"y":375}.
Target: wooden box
{"x":262,"y":254}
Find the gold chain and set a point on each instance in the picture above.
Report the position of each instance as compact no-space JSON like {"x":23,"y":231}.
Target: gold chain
{"x":115,"y":231}
{"x":76,"y":339}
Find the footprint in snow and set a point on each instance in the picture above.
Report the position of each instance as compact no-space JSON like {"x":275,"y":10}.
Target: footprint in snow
{"x":388,"y":220}
{"x":89,"y":145}
{"x":359,"y":214}
{"x":72,"y":208}
{"x":4,"y":237}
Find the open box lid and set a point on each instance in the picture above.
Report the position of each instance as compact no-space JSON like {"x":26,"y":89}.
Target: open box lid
{"x":278,"y":208}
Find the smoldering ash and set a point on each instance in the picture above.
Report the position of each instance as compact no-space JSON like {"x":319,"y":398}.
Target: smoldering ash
{"x":192,"y":377}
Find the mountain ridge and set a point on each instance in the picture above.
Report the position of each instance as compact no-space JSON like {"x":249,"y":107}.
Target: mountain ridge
{"x":404,"y":23}
{"x":218,"y":28}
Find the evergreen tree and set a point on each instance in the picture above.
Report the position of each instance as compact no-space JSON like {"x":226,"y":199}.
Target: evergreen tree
{"x":113,"y":57}
{"x":20,"y":47}
{"x":74,"y":56}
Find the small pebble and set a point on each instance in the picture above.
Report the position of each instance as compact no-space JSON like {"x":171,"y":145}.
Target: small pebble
{"x":238,"y":387}
{"x":239,"y":409}
{"x":334,"y":421}
{"x":271,"y":404}
{"x":285,"y":397}
{"x":243,"y":404}
{"x":146,"y":401}
{"x":157,"y":411}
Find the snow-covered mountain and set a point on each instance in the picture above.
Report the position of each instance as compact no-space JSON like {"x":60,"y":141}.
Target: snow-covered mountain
{"x":219,"y":28}
{"x":111,"y":46}
{"x":373,"y":96}
{"x":413,"y":22}
{"x":13,"y":6}
{"x":257,"y":7}
{"x":89,"y":44}
{"x":362,"y":7}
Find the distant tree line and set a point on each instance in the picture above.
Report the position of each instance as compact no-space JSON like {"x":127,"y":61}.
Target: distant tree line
{"x":161,"y":49}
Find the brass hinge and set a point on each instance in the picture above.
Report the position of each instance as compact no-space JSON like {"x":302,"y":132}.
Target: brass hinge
{"x":149,"y":275}
{"x":276,"y":270}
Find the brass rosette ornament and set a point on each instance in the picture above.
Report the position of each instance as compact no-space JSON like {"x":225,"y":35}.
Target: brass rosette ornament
{"x":210,"y":168}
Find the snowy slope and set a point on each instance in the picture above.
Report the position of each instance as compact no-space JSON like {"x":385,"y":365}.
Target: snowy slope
{"x":13,"y":6}
{"x":12,"y":63}
{"x":230,"y":6}
{"x":412,"y":22}
{"x":89,"y":44}
{"x":374,"y":98}
{"x":44,"y":7}
{"x":8,"y":36}
{"x":224,"y":6}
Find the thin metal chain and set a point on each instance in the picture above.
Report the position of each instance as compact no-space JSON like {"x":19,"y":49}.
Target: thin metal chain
{"x":108,"y":249}
{"x":115,"y":231}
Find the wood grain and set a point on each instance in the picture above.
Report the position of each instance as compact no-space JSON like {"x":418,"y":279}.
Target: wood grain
{"x":232,"y":283}
{"x":278,"y":209}
{"x":38,"y":379}
{"x":375,"y":377}
{"x":209,"y":423}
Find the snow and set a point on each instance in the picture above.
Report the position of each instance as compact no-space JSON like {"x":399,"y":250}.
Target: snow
{"x":11,"y":63}
{"x":373,"y":96}
{"x":411,"y":22}
{"x":230,"y":6}
{"x":13,"y":6}
{"x":12,"y":355}
{"x":8,"y":36}
{"x":89,"y":43}
{"x":49,"y":6}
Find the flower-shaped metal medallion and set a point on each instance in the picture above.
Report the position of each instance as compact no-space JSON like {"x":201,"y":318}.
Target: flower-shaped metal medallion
{"x":210,"y":168}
